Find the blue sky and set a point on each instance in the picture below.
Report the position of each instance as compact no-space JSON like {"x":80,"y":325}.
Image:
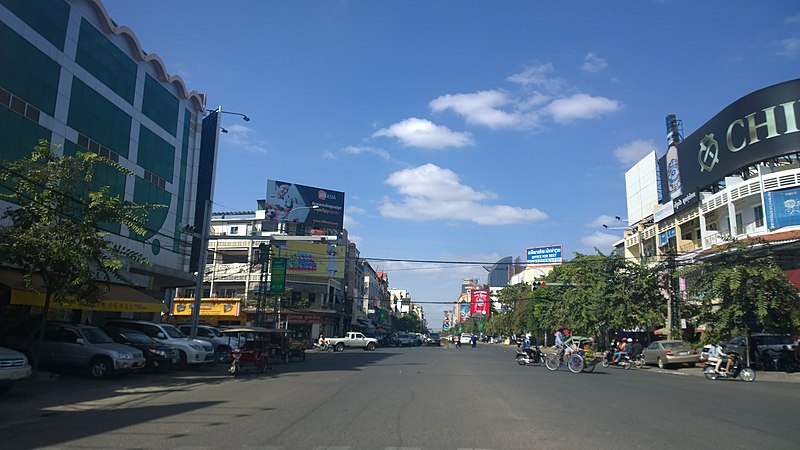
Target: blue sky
{"x":461,"y":130}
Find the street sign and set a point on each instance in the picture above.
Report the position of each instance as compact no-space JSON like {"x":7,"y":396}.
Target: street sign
{"x":278,"y":276}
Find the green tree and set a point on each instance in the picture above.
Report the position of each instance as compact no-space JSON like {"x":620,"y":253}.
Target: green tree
{"x":596,"y":295}
{"x":56,"y":229}
{"x":743,"y":289}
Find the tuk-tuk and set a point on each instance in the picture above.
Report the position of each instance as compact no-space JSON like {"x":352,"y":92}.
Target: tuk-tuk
{"x":256,"y":347}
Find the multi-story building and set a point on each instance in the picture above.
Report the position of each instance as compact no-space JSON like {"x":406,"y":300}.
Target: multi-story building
{"x":70,"y":75}
{"x":736,"y":177}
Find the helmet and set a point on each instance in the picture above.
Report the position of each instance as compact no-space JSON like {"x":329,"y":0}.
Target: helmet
{"x":630,"y":340}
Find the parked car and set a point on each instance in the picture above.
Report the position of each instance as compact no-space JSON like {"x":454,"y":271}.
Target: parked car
{"x":433,"y":339}
{"x":157,"y":355}
{"x":14,"y":366}
{"x":670,"y":353}
{"x":763,"y":344}
{"x":404,"y":339}
{"x":73,"y":345}
{"x":190,"y":352}
{"x":223,"y":345}
{"x":465,"y":338}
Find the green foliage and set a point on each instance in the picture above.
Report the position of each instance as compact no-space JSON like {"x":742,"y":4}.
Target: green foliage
{"x":598,"y":294}
{"x":743,"y":284}
{"x":56,"y":231}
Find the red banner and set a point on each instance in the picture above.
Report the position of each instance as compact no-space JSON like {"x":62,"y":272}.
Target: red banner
{"x":479,"y":304}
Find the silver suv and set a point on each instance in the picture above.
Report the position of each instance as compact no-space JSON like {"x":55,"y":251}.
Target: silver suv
{"x":190,"y":352}
{"x":223,"y":345}
{"x":79,"y":346}
{"x":13,"y":367}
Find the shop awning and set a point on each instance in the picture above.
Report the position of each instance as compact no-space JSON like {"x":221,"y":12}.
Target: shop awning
{"x":660,"y":332}
{"x":118,"y":298}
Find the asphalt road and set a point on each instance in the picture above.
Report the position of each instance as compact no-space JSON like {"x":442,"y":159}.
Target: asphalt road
{"x":428,"y":398}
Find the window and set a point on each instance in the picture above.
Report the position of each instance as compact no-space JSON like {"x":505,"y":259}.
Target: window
{"x":739,"y":226}
{"x":234,"y":230}
{"x":758,"y":212}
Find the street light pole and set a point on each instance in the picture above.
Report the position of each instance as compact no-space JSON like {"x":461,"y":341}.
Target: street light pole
{"x":201,"y":268}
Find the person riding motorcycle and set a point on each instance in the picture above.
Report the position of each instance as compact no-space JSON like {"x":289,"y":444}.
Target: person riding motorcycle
{"x":526,"y":347}
{"x":717,"y":355}
{"x":623,"y":349}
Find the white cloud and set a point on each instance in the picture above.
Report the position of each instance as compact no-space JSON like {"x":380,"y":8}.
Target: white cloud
{"x":238,"y":135}
{"x":602,"y":241}
{"x":633,"y":152}
{"x":594,"y":63}
{"x":580,"y":106}
{"x":789,"y":47}
{"x":429,"y":192}
{"x":793,"y":19}
{"x":537,"y":77}
{"x":358,"y":150}
{"x":479,"y":108}
{"x":414,"y":132}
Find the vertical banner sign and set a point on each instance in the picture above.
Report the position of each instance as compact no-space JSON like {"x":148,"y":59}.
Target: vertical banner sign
{"x":479,"y":302}
{"x":278,"y":276}
{"x":446,"y":321}
{"x":465,"y":312}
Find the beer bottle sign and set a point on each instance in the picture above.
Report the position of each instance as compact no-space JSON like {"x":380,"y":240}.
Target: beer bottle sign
{"x":673,"y":172}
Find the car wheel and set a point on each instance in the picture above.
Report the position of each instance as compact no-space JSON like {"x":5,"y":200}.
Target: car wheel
{"x":183,"y":361}
{"x":340,"y":347}
{"x":371,"y":346}
{"x":660,"y":363}
{"x":101,"y":367}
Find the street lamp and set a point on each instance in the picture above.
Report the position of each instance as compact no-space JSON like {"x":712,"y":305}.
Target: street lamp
{"x":243,"y":116}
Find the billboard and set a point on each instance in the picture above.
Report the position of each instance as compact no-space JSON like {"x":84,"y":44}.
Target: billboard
{"x":782,"y":208}
{"x":228,"y":307}
{"x":320,"y":210}
{"x":758,"y":126}
{"x":544,"y":256}
{"x":479,"y":303}
{"x":312,"y":259}
{"x":465,"y":309}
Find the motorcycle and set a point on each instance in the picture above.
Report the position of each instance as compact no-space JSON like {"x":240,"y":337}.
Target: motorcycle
{"x":737,"y":370}
{"x":536,"y":356}
{"x":624,"y":361}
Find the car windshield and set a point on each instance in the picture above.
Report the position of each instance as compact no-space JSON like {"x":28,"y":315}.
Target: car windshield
{"x":774,"y":340}
{"x":674,"y":344}
{"x":137,"y":337}
{"x":172,"y":331}
{"x":96,"y":336}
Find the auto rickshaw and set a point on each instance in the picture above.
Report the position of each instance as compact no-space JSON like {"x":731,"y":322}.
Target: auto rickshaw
{"x":257,"y":346}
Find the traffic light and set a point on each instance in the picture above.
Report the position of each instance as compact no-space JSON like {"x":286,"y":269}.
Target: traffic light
{"x":537,"y":284}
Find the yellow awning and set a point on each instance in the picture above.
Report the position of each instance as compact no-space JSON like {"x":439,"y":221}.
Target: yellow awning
{"x":119,"y":298}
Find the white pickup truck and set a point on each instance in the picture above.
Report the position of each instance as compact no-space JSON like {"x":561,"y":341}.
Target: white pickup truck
{"x":353,"y":339}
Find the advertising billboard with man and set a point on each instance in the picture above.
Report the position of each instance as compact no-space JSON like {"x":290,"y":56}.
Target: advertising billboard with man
{"x":320,"y":210}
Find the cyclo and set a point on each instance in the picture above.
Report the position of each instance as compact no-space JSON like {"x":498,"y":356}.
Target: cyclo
{"x":256,"y":347}
{"x":584,"y":359}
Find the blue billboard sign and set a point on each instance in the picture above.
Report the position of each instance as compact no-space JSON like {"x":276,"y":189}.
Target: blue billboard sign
{"x":544,"y":256}
{"x":782,"y":208}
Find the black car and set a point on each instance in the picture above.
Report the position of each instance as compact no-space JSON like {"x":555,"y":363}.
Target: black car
{"x":159,"y":356}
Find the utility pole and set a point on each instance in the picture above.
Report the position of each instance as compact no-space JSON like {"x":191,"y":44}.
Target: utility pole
{"x":263,"y":259}
{"x":201,"y":268}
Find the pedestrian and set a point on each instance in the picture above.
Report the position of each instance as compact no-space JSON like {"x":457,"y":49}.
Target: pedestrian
{"x":473,"y":340}
{"x":447,"y":342}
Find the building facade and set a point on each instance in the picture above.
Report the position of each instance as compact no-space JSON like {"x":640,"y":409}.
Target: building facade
{"x":71,"y":76}
{"x":737,"y":177}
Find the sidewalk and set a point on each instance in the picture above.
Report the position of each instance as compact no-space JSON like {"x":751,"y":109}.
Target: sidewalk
{"x":697,"y":371}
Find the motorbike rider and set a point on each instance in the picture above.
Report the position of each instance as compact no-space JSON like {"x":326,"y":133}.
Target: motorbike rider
{"x":321,"y":341}
{"x":526,"y":347}
{"x":716,"y":355}
{"x":623,"y":349}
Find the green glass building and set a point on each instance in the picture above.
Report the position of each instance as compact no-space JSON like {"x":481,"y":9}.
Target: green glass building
{"x":70,"y":75}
